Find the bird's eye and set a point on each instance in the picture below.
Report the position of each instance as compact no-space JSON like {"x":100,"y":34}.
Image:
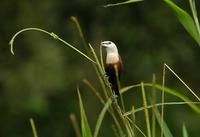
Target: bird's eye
{"x":109,"y":42}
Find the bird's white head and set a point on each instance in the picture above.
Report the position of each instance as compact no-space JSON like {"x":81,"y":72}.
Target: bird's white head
{"x":110,"y":47}
{"x":112,"y":52}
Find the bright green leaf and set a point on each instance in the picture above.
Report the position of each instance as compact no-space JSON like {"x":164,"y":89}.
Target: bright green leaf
{"x":166,"y":131}
{"x":101,"y":117}
{"x":86,"y":131}
{"x":185,"y":19}
{"x":185,"y":133}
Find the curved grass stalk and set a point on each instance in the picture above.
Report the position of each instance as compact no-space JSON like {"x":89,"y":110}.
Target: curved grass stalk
{"x":167,"y":90}
{"x":159,"y":105}
{"x":11,"y":43}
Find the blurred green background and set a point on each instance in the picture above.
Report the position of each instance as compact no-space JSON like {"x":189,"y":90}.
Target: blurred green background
{"x":40,"y":80}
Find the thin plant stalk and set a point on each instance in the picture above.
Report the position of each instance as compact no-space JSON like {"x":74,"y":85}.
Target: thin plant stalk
{"x":159,"y":105}
{"x":56,"y":37}
{"x":124,"y":120}
{"x":182,"y":81}
{"x":115,"y":131}
{"x":119,"y":87}
{"x":162,"y":100}
{"x":136,"y":127}
{"x":133,"y":121}
{"x":146,"y":110}
{"x":35,"y":134}
{"x":75,"y":124}
{"x":101,"y":117}
{"x":78,"y":26}
{"x":140,"y":131}
{"x":154,"y":106}
{"x":94,"y":91}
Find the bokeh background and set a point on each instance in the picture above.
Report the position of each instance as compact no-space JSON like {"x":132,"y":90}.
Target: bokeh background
{"x":40,"y":80}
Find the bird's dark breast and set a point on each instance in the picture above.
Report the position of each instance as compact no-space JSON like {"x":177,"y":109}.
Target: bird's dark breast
{"x":110,"y":72}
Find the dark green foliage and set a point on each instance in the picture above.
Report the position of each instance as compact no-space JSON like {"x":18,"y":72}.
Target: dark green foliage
{"x":40,"y":80}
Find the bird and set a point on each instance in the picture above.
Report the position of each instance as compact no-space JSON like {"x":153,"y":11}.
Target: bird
{"x":113,"y":60}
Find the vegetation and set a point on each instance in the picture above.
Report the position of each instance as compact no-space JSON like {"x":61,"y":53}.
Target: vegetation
{"x":124,"y":118}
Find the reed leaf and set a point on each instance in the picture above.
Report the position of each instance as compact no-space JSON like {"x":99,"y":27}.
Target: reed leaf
{"x":86,"y":131}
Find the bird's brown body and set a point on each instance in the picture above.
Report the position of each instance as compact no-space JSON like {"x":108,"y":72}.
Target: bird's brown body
{"x":111,"y":73}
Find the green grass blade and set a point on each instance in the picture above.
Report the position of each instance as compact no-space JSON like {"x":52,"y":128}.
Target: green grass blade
{"x":122,"y":3}
{"x":185,"y":19}
{"x":167,"y":90}
{"x":102,"y":81}
{"x":194,"y":13}
{"x":101,"y":58}
{"x":125,"y":89}
{"x":115,"y":131}
{"x":81,"y":34}
{"x":119,"y":87}
{"x":75,"y":124}
{"x":95,"y":91}
{"x":86,"y":131}
{"x":78,"y":26}
{"x":184,"y":130}
{"x":166,"y":131}
{"x":153,"y":125}
{"x":101,"y":117}
{"x":146,"y":112}
{"x":33,"y":128}
{"x":133,"y":121}
{"x":163,"y":99}
{"x":139,"y":129}
{"x":124,"y":119}
{"x":177,"y":94}
{"x":158,"y":105}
